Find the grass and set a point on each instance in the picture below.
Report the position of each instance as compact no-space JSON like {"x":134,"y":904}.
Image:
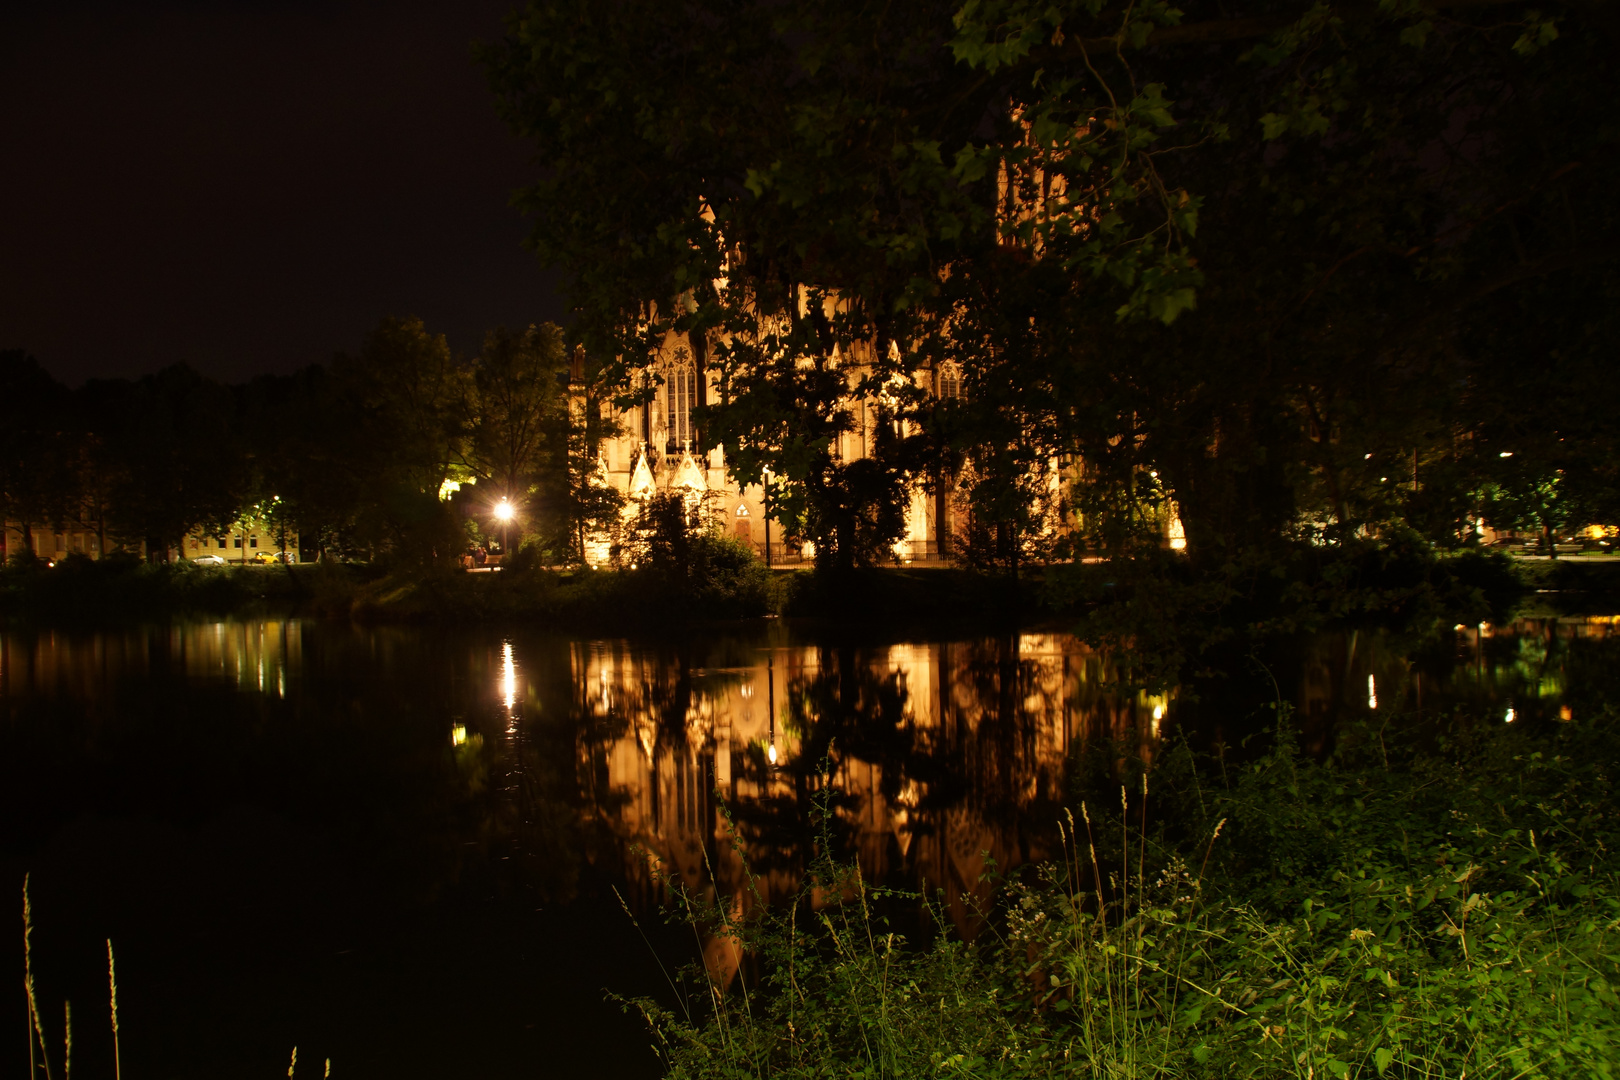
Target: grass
{"x":39,"y":1043}
{"x":1443,"y":906}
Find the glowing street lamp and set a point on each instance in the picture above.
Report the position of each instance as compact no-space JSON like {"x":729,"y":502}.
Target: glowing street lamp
{"x":503,"y":513}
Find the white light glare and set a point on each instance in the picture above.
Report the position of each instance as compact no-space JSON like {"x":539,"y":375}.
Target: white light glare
{"x":508,"y":676}
{"x":504,"y":511}
{"x":1511,"y":716}
{"x":1372,"y":692}
{"x":1505,"y":453}
{"x":770,"y":752}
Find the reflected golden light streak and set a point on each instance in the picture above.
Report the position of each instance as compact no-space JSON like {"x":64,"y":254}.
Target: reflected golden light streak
{"x":508,"y":676}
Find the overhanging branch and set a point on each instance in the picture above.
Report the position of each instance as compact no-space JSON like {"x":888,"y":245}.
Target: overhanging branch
{"x":1219,"y":30}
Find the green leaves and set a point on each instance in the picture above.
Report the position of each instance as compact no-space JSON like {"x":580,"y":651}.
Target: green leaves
{"x":993,"y":34}
{"x":1539,"y":32}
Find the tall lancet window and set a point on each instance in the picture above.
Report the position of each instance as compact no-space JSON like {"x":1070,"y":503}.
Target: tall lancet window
{"x":950,"y":380}
{"x":680,"y":394}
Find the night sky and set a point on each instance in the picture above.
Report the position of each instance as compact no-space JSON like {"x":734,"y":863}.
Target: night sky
{"x":249,"y":186}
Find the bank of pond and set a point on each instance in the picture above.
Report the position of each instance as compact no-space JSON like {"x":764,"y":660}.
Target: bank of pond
{"x":718,"y":580}
{"x":424,"y":849}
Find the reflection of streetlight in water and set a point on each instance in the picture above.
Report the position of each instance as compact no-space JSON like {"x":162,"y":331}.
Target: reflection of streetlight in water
{"x":770,"y":698}
{"x":508,"y":676}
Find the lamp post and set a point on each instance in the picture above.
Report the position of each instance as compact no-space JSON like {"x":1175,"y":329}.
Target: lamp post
{"x":503,"y":513}
{"x":765,"y":501}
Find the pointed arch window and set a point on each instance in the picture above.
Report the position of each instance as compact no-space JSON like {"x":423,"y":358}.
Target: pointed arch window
{"x":950,"y":381}
{"x":680,"y":394}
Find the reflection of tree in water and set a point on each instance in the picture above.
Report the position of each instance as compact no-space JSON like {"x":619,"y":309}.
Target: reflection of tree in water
{"x":937,"y":754}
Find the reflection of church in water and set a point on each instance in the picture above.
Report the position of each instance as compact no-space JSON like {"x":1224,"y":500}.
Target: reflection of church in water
{"x":942,"y":757}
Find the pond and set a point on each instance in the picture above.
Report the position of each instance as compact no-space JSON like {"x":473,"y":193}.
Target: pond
{"x":417,"y":851}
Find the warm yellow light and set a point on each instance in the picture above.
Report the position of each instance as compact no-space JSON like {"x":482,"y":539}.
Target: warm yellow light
{"x":1372,"y":692}
{"x":446,"y":489}
{"x":458,"y":735}
{"x":1178,"y":534}
{"x":508,"y":676}
{"x":504,"y":510}
{"x":770,"y":753}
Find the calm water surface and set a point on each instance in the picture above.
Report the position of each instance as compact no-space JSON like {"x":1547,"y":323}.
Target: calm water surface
{"x":404,"y":848}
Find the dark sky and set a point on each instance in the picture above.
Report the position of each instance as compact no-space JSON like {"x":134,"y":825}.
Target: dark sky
{"x":249,"y":185}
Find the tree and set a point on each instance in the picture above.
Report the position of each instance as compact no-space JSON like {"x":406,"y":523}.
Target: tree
{"x":1235,"y":258}
{"x":517,"y":410}
{"x":34,"y":487}
{"x":403,"y":401}
{"x":720,"y":246}
{"x":169,"y":453}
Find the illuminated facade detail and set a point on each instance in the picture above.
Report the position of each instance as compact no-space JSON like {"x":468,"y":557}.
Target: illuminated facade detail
{"x":641,"y":486}
{"x":680,"y":394}
{"x":1177,"y":534}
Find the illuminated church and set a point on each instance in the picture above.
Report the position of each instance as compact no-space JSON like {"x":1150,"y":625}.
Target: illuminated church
{"x":656,"y":450}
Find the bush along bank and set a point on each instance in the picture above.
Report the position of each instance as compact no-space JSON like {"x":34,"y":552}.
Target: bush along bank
{"x":1395,"y":911}
{"x":78,"y":588}
{"x":1159,"y":611}
{"x":720,"y":581}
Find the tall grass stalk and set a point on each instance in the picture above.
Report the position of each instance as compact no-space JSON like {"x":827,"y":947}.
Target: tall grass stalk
{"x":112,"y":994}
{"x":36,"y":1021}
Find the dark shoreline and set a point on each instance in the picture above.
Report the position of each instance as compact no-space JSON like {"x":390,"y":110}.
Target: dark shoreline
{"x":930,"y":600}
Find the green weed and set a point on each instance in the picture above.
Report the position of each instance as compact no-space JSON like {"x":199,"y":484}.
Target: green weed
{"x":1446,"y":910}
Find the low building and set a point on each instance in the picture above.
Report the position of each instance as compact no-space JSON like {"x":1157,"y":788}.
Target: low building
{"x":57,"y":541}
{"x":244,"y":544}
{"x":54,"y":542}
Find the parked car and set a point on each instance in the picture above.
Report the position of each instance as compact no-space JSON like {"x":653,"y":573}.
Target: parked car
{"x":207,"y":560}
{"x":270,"y":558}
